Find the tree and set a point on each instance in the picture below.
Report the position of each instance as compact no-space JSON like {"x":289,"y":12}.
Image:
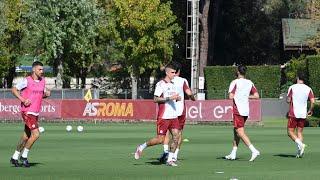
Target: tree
{"x":313,"y":8}
{"x":143,"y":33}
{"x":11,"y":34}
{"x":64,"y":32}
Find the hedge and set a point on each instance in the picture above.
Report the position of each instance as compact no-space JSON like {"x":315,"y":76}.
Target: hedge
{"x":265,"y":78}
{"x":314,"y":73}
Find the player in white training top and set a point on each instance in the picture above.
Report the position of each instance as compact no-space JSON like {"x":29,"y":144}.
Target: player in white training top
{"x":182,"y":86}
{"x":166,"y":96}
{"x":240,"y":91}
{"x":298,"y":95}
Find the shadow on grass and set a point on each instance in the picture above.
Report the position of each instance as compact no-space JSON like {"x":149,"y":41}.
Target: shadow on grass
{"x":285,"y":155}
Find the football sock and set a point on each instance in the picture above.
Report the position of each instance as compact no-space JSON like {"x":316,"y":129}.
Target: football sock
{"x":16,"y":155}
{"x":252,"y":148}
{"x":25,"y":153}
{"x":142,"y":146}
{"x":170,"y":156}
{"x":166,"y":148}
{"x":234,"y":150}
{"x":176,"y":153}
{"x":299,"y":143}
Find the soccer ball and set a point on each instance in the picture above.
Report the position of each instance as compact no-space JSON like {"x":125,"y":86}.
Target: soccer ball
{"x":41,"y":129}
{"x":69,"y":128}
{"x":80,"y":128}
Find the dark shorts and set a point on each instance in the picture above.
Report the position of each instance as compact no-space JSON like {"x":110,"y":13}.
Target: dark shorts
{"x":296,"y":122}
{"x":30,"y":120}
{"x":239,"y":121}
{"x":163,"y":125}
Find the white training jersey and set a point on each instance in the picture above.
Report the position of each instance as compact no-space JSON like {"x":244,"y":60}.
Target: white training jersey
{"x":167,"y":110}
{"x":299,"y":94}
{"x":241,"y":88}
{"x":181,"y":85}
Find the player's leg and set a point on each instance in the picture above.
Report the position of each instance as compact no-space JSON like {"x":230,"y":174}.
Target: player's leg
{"x":164,"y":155}
{"x":173,"y":146}
{"x":20,"y":146}
{"x":162,"y":128}
{"x":235,"y":143}
{"x":292,"y":125}
{"x":182,"y":120}
{"x":300,"y":136}
{"x":174,"y":130}
{"x":33,"y":134}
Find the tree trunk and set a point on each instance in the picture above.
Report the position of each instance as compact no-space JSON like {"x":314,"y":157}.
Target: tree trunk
{"x":204,"y":38}
{"x":59,"y":81}
{"x":215,"y":8}
{"x":134,"y":82}
{"x":10,"y":76}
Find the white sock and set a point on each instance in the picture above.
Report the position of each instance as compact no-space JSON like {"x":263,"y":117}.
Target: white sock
{"x":176,"y":153}
{"x":252,"y":148}
{"x":16,"y":155}
{"x":170,"y":156}
{"x":166,"y":148}
{"x":234,"y":150}
{"x":299,"y":143}
{"x":25,"y":153}
{"x":142,"y":146}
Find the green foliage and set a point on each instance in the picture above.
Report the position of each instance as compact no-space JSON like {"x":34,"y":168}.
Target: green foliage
{"x":314,"y":73}
{"x":294,"y":66}
{"x":265,"y":78}
{"x":142,"y":33}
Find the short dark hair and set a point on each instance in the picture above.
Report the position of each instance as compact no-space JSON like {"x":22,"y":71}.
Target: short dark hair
{"x":37,"y":63}
{"x":177,"y":65}
{"x":242,"y":69}
{"x":302,"y":76}
{"x":171,"y":66}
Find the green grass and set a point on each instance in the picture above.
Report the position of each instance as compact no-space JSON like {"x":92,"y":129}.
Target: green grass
{"x":104,"y":151}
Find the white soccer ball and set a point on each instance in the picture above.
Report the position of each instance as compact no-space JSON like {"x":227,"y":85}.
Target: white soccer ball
{"x":69,"y":128}
{"x":41,"y":129}
{"x":80,"y":128}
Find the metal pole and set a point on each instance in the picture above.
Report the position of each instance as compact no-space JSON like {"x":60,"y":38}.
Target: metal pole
{"x":195,"y":45}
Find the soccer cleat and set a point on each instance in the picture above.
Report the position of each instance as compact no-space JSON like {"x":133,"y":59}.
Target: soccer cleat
{"x":138,"y":153}
{"x":254,"y":156}
{"x":25,"y":162}
{"x":230,"y":157}
{"x":163,"y":158}
{"x":171,"y":163}
{"x":302,"y":150}
{"x":14,"y":162}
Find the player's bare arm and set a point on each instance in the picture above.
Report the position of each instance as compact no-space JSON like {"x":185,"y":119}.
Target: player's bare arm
{"x":254,"y":96}
{"x":310,"y":112}
{"x":46,"y":93}
{"x":16,"y":93}
{"x":231,"y":95}
{"x":190,"y":94}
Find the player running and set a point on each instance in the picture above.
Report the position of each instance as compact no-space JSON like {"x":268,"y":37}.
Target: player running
{"x":30,"y":92}
{"x":240,"y":91}
{"x":182,"y":88}
{"x":166,"y":96}
{"x":298,"y":95}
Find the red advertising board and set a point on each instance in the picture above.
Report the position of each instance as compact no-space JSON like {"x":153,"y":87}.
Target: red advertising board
{"x":117,"y":109}
{"x":10,"y":109}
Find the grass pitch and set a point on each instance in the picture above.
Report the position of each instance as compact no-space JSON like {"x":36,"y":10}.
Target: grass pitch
{"x":104,"y":151}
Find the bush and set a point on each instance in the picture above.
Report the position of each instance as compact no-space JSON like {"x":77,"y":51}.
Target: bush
{"x":265,"y":78}
{"x":314,"y":73}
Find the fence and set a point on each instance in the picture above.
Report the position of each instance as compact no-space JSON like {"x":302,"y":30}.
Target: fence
{"x":111,"y":94}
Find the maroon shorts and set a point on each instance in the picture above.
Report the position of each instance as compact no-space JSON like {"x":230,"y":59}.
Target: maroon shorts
{"x":239,"y":121}
{"x":182,"y":120}
{"x":296,"y":122}
{"x":164,"y":124}
{"x":30,"y":120}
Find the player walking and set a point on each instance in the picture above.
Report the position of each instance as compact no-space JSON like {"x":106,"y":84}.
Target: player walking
{"x":240,"y":91}
{"x":166,"y":96}
{"x":30,"y":92}
{"x":182,"y":88}
{"x":298,"y":95}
